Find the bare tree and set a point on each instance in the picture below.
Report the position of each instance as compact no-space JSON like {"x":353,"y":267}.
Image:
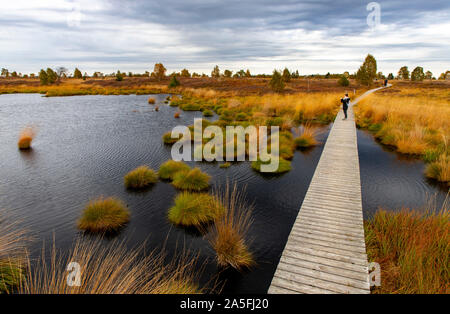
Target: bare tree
{"x":61,"y":72}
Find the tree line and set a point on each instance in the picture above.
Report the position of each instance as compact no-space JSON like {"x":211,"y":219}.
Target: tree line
{"x":366,"y":75}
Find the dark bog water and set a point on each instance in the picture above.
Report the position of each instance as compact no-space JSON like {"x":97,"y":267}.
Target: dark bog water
{"x":86,"y":144}
{"x":391,"y":180}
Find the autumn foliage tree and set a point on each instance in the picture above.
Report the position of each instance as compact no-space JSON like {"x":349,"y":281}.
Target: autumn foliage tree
{"x":367,"y":71}
{"x":159,"y":71}
{"x":185,"y":73}
{"x":403,"y":73}
{"x":276,"y":82}
{"x":417,"y":74}
{"x":77,"y":74}
{"x":286,"y":75}
{"x":215,"y":72}
{"x":43,"y":78}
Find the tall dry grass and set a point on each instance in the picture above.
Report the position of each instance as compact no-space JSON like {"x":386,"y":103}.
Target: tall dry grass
{"x":111,"y":268}
{"x":307,"y":136}
{"x":12,"y":254}
{"x":412,"y":248}
{"x":414,"y":123}
{"x":229,"y":235}
{"x":299,"y":107}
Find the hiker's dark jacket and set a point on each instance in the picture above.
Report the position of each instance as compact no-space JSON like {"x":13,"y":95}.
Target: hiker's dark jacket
{"x":345,"y":101}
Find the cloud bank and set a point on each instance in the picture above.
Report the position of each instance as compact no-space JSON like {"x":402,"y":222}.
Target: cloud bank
{"x":314,"y":36}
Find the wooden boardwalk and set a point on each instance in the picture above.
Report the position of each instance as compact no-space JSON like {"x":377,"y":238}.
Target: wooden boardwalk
{"x":325,"y":251}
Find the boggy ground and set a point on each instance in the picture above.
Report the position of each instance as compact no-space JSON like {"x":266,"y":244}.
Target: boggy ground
{"x":144,"y":85}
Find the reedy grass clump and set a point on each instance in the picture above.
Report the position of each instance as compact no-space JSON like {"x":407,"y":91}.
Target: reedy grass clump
{"x":228,"y":237}
{"x":412,"y":249}
{"x":439,"y":169}
{"x":12,"y":251}
{"x":191,"y":180}
{"x":26,"y":137}
{"x":168,"y":169}
{"x":283,"y":165}
{"x":151,"y":100}
{"x":307,"y":136}
{"x":12,"y":272}
{"x":194,"y":209}
{"x":104,"y":215}
{"x":140,"y":178}
{"x":112,"y":269}
{"x":207,"y":113}
{"x":167,"y":138}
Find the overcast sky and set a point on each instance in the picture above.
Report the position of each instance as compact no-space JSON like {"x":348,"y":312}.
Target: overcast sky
{"x":314,"y":36}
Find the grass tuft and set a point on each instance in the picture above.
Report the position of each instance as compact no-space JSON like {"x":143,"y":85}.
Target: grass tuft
{"x":228,"y":237}
{"x":104,"y":215}
{"x":192,"y":180}
{"x":194,"y":209}
{"x":168,"y":169}
{"x":283,"y":165}
{"x":207,"y":113}
{"x":151,"y":100}
{"x":26,"y":137}
{"x":12,"y":265}
{"x":307,"y":137}
{"x":439,"y":169}
{"x":140,"y":178}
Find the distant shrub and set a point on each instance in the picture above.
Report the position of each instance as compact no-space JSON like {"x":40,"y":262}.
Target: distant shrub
{"x":343,"y":81}
{"x":174,"y":82}
{"x":276,"y":82}
{"x":77,"y":74}
{"x":168,"y":169}
{"x":119,"y":76}
{"x":286,"y":75}
{"x":140,"y":177}
{"x":104,"y":215}
{"x":192,"y":180}
{"x":43,"y":77}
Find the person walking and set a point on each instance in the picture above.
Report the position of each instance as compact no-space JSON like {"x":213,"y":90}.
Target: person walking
{"x":345,"y":102}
